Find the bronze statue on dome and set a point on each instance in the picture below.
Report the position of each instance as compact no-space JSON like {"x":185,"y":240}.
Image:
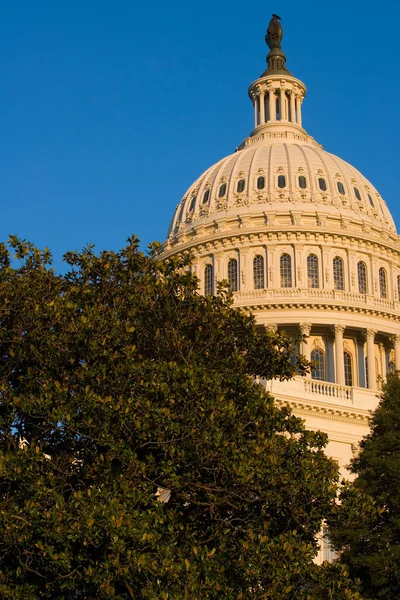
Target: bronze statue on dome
{"x":274,"y":33}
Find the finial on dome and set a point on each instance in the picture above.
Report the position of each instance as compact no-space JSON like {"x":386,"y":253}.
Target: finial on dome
{"x":276,"y":59}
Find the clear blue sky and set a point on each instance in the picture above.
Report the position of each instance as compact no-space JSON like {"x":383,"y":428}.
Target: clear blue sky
{"x":109,"y":110}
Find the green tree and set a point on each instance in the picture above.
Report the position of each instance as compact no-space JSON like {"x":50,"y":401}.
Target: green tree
{"x":138,"y":457}
{"x":365,"y":527}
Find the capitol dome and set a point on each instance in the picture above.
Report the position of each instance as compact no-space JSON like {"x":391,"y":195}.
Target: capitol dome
{"x":308,"y":245}
{"x":269,"y":175}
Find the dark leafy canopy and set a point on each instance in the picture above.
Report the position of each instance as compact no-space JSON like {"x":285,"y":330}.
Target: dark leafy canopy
{"x":366,"y":527}
{"x":138,"y":457}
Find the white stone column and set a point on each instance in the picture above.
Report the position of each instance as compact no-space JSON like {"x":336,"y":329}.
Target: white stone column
{"x":292,"y":107}
{"x":370,"y":337}
{"x":339,"y":359}
{"x":272,"y":104}
{"x":283,"y":104}
{"x":255,"y":103}
{"x":397,"y":352}
{"x":305,"y":329}
{"x":261,"y":98}
{"x":299,"y":121}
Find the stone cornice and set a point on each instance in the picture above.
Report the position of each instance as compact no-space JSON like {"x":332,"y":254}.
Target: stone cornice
{"x":310,"y":409}
{"x":384,"y":242}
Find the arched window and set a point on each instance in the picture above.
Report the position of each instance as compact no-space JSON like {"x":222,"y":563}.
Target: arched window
{"x":240,"y":185}
{"x":302,"y":182}
{"x":192,"y":204}
{"x":382,"y":283}
{"x":222,"y":190}
{"x":318,"y":370}
{"x":348,"y":368}
{"x":338,"y":275}
{"x":370,"y":200}
{"x":258,"y":272}
{"x":322,"y":184}
{"x":362,"y":277}
{"x":340,"y":188}
{"x":357,"y":193}
{"x":286,"y":271}
{"x":312,"y":271}
{"x":281,"y":181}
{"x":208,"y":280}
{"x":233,"y":274}
{"x":398,"y":287}
{"x":206,"y":196}
{"x":260,"y":183}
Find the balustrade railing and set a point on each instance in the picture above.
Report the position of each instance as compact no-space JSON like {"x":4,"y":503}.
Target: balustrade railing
{"x":318,"y":295}
{"x":332,"y":390}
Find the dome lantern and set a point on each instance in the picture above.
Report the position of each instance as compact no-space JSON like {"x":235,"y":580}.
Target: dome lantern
{"x":277,"y":96}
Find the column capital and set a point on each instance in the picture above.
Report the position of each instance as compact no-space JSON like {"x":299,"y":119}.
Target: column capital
{"x":369,"y":333}
{"x":305,"y":328}
{"x":272,"y":327}
{"x":339,"y":329}
{"x":396,"y":338}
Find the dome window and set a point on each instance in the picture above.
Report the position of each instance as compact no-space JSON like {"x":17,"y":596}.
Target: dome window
{"x":370,"y":200}
{"x":348,"y":368}
{"x":362,"y":277}
{"x":312,"y":271}
{"x":206,"y":196}
{"x":322,"y":184}
{"x":338,"y":273}
{"x":258,"y":272}
{"x":281,"y":181}
{"x":208,"y":280}
{"x":192,"y":204}
{"x":181,"y":212}
{"x":357,"y":194}
{"x":233,"y":275}
{"x":340,"y":188}
{"x":382,"y":283}
{"x":222,"y":190}
{"x":285,"y":264}
{"x":260,"y":183}
{"x":398,"y":287}
{"x":302,"y":182}
{"x":318,"y":370}
{"x":241,"y":185}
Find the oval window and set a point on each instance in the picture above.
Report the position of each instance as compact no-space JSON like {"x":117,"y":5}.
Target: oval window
{"x":281,"y":181}
{"x":206,"y":196}
{"x":357,"y":194}
{"x":260,"y":183}
{"x":302,"y":182}
{"x":240,"y":185}
{"x":222,"y":190}
{"x":322,"y":184}
{"x":340,"y":188}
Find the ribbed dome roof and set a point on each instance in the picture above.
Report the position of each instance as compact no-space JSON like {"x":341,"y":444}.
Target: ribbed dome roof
{"x":295,"y":174}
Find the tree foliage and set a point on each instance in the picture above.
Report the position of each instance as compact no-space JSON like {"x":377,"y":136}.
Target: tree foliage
{"x":365,"y":527}
{"x":138,"y":457}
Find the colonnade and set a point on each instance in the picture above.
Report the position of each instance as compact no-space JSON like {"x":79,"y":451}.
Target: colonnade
{"x":277,"y":104}
{"x":369,"y":335}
